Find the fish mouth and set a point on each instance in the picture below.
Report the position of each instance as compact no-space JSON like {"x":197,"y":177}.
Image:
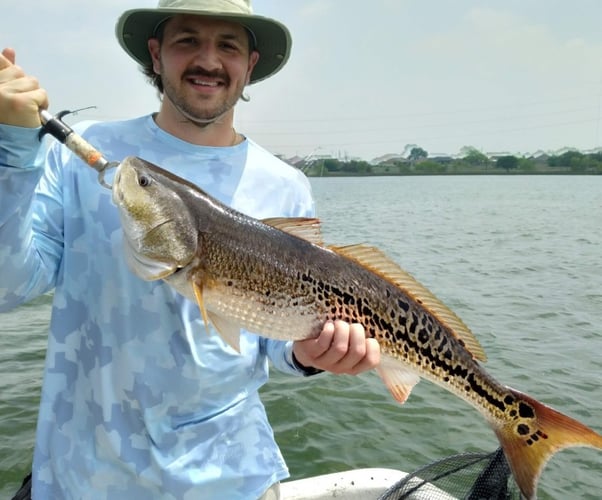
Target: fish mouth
{"x":116,"y":192}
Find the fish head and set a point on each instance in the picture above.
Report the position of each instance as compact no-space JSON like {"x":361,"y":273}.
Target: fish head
{"x":160,"y":233}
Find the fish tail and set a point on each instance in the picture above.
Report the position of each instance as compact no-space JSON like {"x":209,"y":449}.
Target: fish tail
{"x":533,"y":433}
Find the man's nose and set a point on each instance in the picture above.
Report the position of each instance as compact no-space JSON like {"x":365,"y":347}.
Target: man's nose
{"x":207,"y":57}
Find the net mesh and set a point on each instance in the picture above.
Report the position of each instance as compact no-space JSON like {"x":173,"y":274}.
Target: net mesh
{"x":467,"y":476}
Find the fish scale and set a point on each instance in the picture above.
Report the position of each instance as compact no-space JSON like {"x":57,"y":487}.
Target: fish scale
{"x":276,"y":279}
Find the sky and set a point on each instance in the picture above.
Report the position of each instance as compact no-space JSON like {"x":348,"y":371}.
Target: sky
{"x":365,"y":78}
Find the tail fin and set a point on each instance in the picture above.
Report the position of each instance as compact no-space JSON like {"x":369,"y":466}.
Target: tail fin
{"x":533,"y":434}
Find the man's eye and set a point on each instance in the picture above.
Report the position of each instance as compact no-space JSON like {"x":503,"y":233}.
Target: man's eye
{"x":228,"y":46}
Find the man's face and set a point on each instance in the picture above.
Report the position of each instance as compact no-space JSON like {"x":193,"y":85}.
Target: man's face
{"x":204,"y":65}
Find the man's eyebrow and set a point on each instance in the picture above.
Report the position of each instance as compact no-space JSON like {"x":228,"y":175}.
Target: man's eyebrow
{"x":227,"y":35}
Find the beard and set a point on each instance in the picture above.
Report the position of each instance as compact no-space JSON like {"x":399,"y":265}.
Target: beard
{"x":198,"y":111}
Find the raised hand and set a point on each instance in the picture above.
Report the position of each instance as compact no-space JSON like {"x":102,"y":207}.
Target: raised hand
{"x":21,"y":96}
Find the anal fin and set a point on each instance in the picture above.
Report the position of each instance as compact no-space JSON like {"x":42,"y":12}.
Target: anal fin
{"x":399,"y":380}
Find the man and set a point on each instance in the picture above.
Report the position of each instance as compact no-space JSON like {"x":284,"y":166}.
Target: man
{"x":138,"y":401}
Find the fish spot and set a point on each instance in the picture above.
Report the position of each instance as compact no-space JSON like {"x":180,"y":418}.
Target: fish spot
{"x":413,"y":323}
{"x":423,"y":336}
{"x":403,"y":305}
{"x":348,"y":299}
{"x":399,"y":335}
{"x":523,"y":429}
{"x":508,"y":399}
{"x":525,"y":410}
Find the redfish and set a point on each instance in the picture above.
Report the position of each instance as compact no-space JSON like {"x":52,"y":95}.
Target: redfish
{"x":277,"y":279}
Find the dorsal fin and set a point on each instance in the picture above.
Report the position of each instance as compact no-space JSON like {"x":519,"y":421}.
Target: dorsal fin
{"x":307,"y":228}
{"x":376,"y":260}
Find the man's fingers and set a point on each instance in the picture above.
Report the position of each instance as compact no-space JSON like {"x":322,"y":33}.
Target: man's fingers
{"x":340,"y":348}
{"x":370,"y":360}
{"x":21,"y":97}
{"x":348,"y":346}
{"x":7,"y":58}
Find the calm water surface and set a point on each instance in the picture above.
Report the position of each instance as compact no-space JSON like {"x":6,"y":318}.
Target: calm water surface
{"x":517,"y":258}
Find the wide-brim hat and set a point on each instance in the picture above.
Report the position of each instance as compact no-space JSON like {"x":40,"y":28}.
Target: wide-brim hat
{"x":272,"y":38}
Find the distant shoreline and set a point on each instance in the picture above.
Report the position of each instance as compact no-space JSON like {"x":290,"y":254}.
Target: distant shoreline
{"x":444,"y":174}
{"x":474,"y":163}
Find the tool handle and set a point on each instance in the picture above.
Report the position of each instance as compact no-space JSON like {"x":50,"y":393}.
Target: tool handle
{"x":58,"y":129}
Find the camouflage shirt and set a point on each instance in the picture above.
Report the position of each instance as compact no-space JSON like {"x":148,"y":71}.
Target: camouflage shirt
{"x":138,"y":400}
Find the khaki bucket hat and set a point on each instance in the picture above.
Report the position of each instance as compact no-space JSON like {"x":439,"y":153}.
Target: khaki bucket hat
{"x":272,"y":38}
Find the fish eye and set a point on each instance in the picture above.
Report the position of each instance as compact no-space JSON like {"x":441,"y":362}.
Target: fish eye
{"x":144,"y":180}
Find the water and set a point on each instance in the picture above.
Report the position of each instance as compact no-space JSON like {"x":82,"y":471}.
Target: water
{"x":517,"y":258}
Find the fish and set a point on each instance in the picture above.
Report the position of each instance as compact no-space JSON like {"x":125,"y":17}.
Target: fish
{"x":277,"y":278}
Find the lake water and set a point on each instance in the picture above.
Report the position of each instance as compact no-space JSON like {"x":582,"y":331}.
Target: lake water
{"x":518,"y":258}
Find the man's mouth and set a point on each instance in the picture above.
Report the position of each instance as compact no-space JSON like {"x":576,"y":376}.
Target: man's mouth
{"x":205,"y":83}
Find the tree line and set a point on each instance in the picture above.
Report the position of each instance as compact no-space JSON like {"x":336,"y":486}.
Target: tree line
{"x":472,"y":161}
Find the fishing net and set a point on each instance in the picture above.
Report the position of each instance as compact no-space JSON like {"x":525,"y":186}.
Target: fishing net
{"x":467,"y":476}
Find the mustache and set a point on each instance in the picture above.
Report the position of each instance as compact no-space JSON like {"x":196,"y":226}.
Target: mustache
{"x":199,"y":71}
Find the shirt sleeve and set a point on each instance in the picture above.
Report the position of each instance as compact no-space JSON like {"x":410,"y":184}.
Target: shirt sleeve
{"x":30,"y":217}
{"x":280,"y":354}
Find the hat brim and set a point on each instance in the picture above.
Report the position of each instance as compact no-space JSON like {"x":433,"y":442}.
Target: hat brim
{"x":136,"y":26}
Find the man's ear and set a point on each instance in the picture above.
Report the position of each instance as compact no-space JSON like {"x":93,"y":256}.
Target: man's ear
{"x":154,"y":48}
{"x":253,"y":58}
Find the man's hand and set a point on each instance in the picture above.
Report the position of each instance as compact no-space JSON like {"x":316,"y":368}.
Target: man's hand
{"x":20,"y":95}
{"x":341,"y":348}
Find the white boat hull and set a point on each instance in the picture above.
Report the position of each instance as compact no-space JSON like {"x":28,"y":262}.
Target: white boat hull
{"x":358,"y":484}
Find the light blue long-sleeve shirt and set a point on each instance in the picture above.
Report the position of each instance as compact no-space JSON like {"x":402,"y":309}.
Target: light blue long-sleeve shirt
{"x":138,"y":400}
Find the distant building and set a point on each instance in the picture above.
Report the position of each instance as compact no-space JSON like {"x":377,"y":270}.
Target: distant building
{"x":388,"y":158}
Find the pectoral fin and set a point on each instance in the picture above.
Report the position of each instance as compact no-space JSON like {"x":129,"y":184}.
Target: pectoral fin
{"x":399,"y":380}
{"x":198,"y":293}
